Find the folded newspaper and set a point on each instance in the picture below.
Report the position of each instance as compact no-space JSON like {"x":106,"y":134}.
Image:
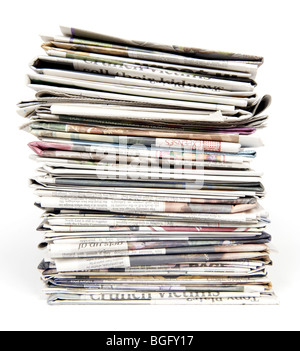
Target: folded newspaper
{"x":144,"y":156}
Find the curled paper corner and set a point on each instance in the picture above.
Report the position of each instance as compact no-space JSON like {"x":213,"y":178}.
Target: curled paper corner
{"x":262,"y":105}
{"x":34,"y":146}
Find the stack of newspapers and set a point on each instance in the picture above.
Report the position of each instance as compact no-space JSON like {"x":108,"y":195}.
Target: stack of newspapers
{"x":145,"y":175}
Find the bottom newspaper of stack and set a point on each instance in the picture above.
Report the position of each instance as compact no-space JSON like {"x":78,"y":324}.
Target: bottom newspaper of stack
{"x":162,"y":226}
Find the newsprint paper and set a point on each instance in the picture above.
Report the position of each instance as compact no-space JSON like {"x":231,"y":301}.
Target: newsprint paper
{"x":145,"y":175}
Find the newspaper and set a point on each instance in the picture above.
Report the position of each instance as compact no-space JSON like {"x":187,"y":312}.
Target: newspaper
{"x":45,"y":65}
{"x":145,"y":174}
{"x":149,"y":299}
{"x":194,"y":52}
{"x":80,"y":33}
{"x":131,"y":64}
{"x":104,"y":130}
{"x":100,"y":151}
{"x":85,"y":264}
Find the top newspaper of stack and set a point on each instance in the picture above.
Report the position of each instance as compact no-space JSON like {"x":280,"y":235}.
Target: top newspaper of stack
{"x":162,"y":85}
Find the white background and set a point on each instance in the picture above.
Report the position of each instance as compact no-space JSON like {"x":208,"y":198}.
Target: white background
{"x":266,"y":28}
